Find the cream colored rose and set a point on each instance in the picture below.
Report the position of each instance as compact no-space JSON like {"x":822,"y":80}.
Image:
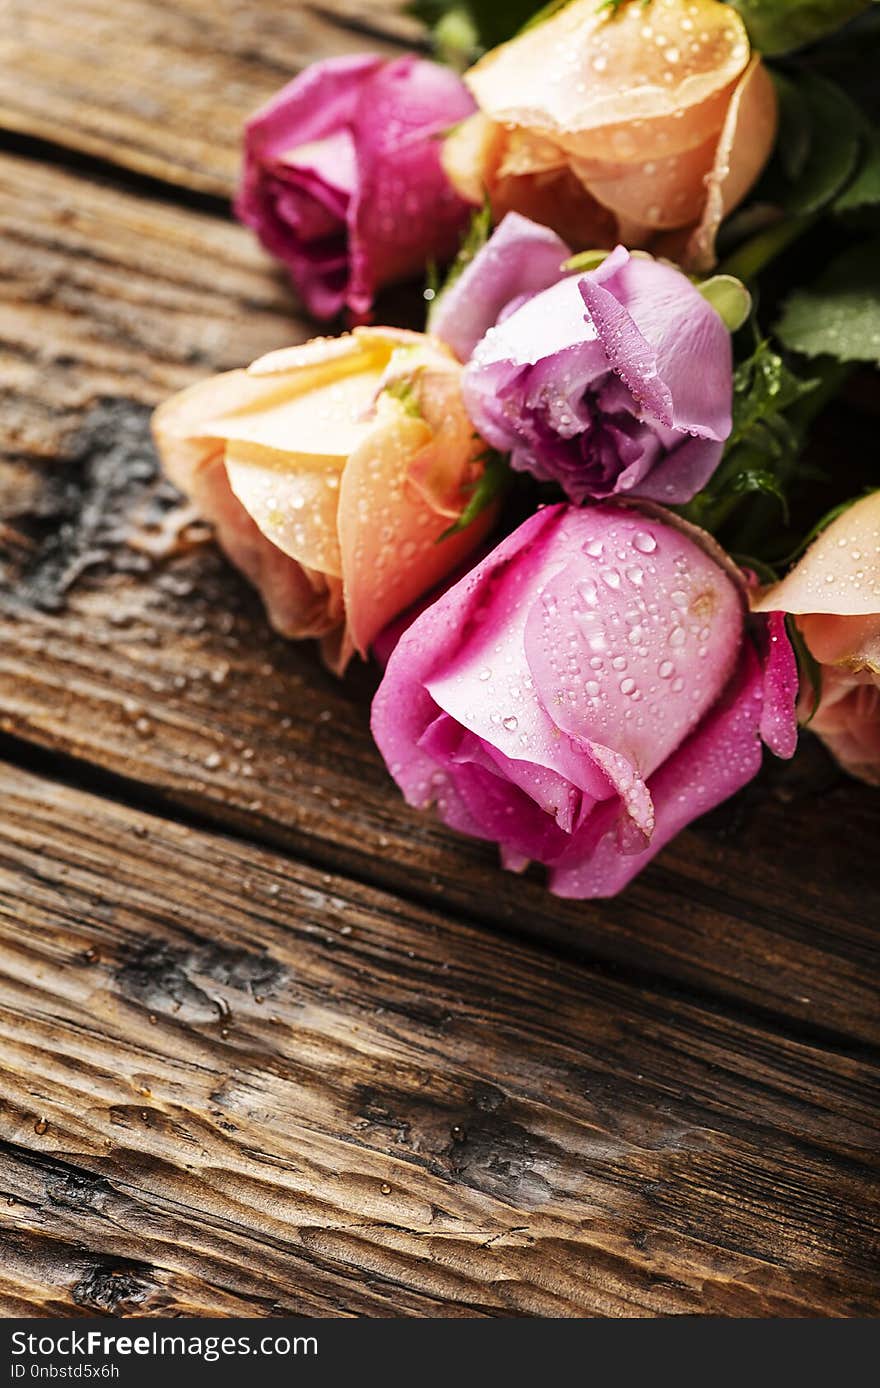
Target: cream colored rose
{"x":646,"y":126}
{"x":834,"y":592}
{"x":331,"y":472}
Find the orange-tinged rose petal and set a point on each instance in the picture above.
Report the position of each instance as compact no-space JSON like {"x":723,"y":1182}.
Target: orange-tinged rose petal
{"x":850,"y":641}
{"x":441,"y":464}
{"x":657,"y":194}
{"x":848,"y":722}
{"x":328,"y":420}
{"x":582,"y":69}
{"x":634,"y":142}
{"x":402,"y":488}
{"x":525,"y":152}
{"x":292,"y":498}
{"x":299,"y":602}
{"x":389,"y":534}
{"x":840,"y":572}
{"x":179,"y":426}
{"x":558,"y":200}
{"x":471,"y":154}
{"x":743,"y":149}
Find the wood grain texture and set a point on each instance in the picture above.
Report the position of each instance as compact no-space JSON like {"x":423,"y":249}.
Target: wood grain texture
{"x":165,"y":672}
{"x":231,"y":1081}
{"x":269,"y":1041}
{"x":105,"y":293}
{"x":163,"y":89}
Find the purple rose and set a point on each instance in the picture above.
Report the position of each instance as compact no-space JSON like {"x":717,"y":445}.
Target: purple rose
{"x":342,"y":177}
{"x":614,"y":381}
{"x":585,"y":692}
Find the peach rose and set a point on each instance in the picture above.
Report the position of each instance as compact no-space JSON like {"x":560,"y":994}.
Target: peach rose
{"x":645,"y":126}
{"x":834,"y":590}
{"x":331,"y":472}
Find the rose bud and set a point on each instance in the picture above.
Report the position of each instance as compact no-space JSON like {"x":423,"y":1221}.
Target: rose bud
{"x":619,"y":380}
{"x":585,"y":692}
{"x":834,"y":590}
{"x":332,"y":473}
{"x":343,"y":181}
{"x":644,"y":124}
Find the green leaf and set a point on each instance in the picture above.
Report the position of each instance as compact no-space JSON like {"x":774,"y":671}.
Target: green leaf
{"x":795,"y":137}
{"x":809,"y":670}
{"x":405,"y":390}
{"x":821,"y":135}
{"x":585,"y":260}
{"x":864,"y":190}
{"x":761,"y":452}
{"x":839,"y":315}
{"x":730,"y":299}
{"x":779,"y":26}
{"x":759,"y":479}
{"x":492,"y":482}
{"x":490,"y":21}
{"x":816,"y":530}
{"x":763,"y":387}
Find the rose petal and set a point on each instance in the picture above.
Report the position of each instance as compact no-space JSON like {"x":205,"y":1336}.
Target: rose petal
{"x":780,"y":672}
{"x":520,"y":258}
{"x":403,"y":708}
{"x":583,"y":71}
{"x":404,"y":211}
{"x":721,"y":756}
{"x":840,"y":572}
{"x":679,"y":362}
{"x":744,"y":146}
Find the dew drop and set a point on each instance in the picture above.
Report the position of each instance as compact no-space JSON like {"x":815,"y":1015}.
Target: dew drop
{"x":589,"y":591}
{"x":643,"y":542}
{"x":511,"y":723}
{"x":665,"y":669}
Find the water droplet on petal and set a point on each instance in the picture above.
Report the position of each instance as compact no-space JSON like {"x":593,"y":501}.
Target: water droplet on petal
{"x":643,"y":542}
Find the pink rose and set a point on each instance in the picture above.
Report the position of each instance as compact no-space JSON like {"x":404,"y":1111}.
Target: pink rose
{"x":332,"y":473}
{"x":585,"y":692}
{"x":834,"y":590}
{"x":342,"y":177}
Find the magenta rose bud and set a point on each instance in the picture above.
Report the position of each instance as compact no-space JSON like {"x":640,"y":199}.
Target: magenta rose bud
{"x":585,"y":692}
{"x":614,"y":381}
{"x":342,"y":177}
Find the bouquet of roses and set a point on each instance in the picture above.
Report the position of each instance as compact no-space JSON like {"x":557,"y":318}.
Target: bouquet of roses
{"x":577,"y":518}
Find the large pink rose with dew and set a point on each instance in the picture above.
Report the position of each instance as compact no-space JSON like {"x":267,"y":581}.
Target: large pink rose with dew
{"x":342,"y":178}
{"x":834,"y":592}
{"x":585,"y":692}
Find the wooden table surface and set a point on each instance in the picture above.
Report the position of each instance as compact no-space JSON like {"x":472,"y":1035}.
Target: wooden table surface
{"x":270,"y":1042}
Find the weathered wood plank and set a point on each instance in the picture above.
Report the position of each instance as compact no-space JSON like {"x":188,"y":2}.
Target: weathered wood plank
{"x":164,"y":670}
{"x":164,"y":89}
{"x":231,"y":1080}
{"x":107,"y":294}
